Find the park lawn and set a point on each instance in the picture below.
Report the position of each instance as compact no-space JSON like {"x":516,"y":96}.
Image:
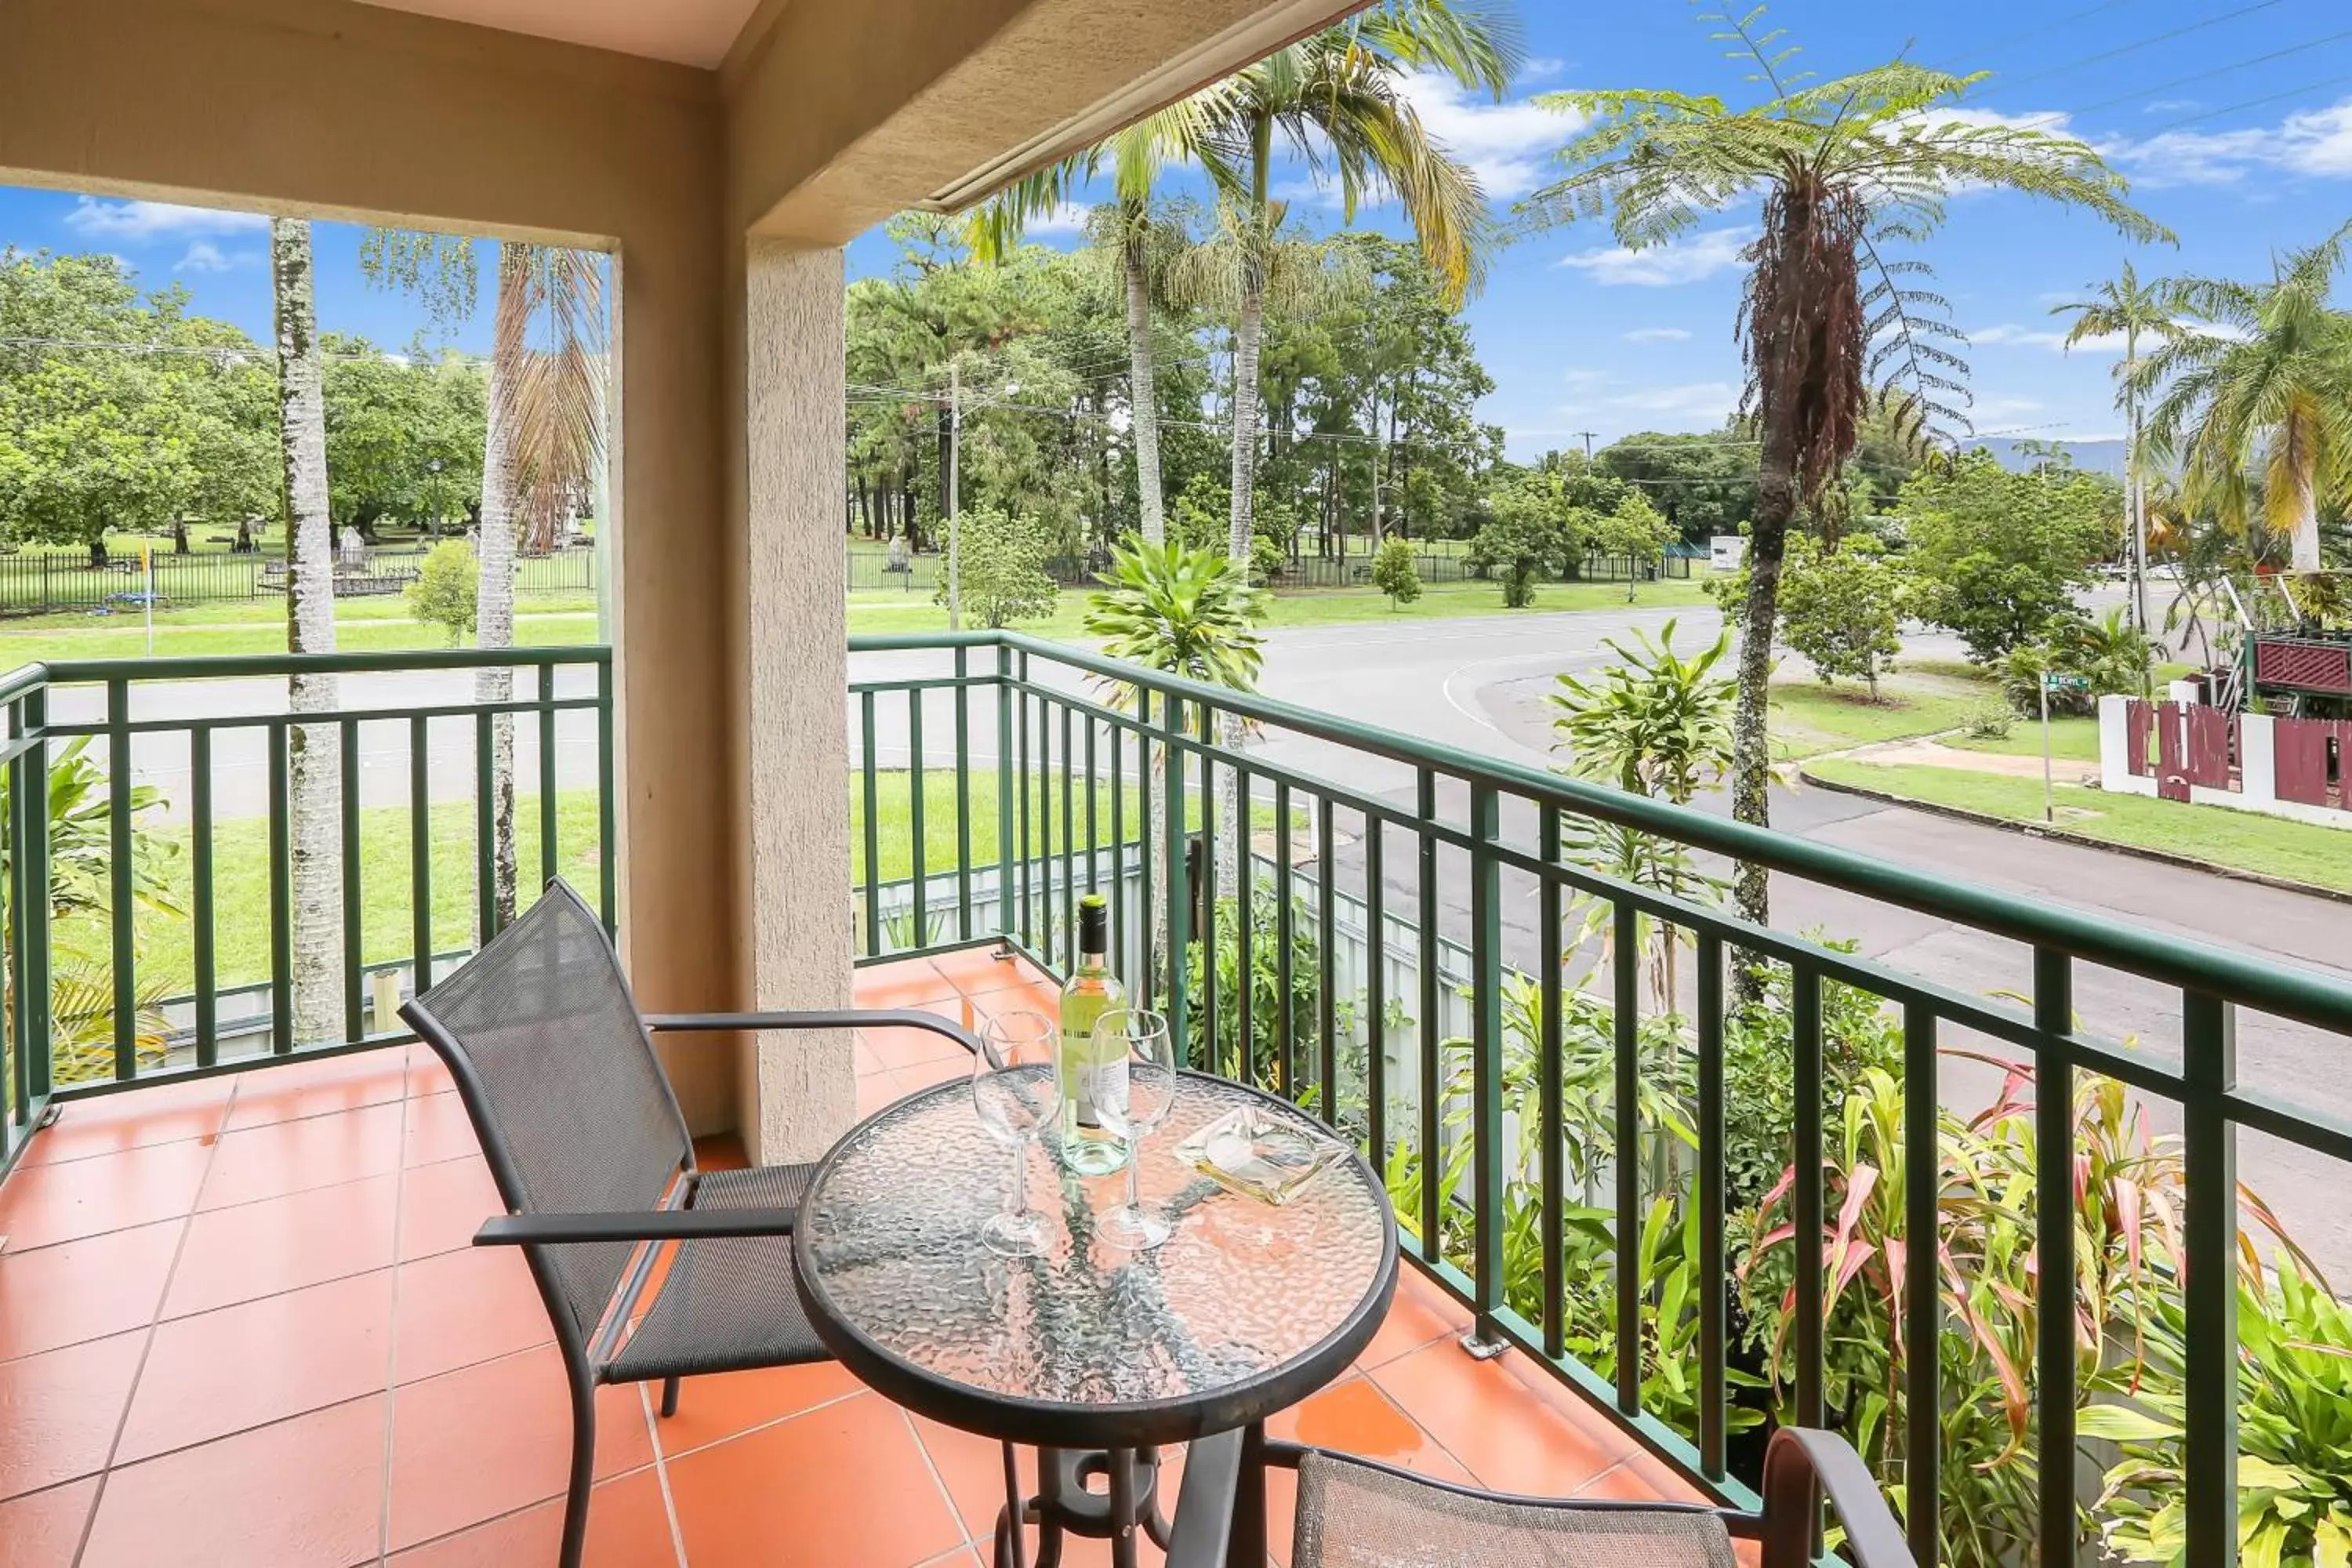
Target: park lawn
{"x":54,"y":638}
{"x":2271,"y":845}
{"x":1808,"y":718}
{"x":2071,"y":741}
{"x":872,"y":615}
{"x":893,"y":817}
{"x":241,"y":887}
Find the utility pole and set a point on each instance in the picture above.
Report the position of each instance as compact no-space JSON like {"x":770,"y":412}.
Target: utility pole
{"x":1588,"y":446}
{"x":955,"y":503}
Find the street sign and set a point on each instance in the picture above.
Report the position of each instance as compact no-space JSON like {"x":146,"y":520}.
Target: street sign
{"x":2051,"y":680}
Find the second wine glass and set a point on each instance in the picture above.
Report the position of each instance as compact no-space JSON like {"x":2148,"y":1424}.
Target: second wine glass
{"x":1134,"y":1098}
{"x":1012,"y":1091}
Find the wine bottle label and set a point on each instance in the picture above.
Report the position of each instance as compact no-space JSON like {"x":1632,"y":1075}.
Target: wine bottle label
{"x":1109,"y":1093}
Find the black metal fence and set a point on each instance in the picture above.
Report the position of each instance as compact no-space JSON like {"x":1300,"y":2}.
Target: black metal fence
{"x":872,"y":572}
{"x":32,"y":583}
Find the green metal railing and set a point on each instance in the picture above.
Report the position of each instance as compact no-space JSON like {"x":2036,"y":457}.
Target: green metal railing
{"x":1088,"y":749}
{"x":93,"y":1006}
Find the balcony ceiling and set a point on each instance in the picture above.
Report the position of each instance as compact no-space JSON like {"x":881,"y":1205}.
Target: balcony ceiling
{"x":688,"y":32}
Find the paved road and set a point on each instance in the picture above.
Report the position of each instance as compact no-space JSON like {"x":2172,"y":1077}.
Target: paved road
{"x":1480,"y":685}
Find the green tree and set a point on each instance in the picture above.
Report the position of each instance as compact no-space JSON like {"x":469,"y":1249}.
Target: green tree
{"x":1842,"y":608}
{"x":2263,"y":386}
{"x":443,"y":594}
{"x":1532,"y":527}
{"x":1846,"y":168}
{"x":1004,"y":578}
{"x":389,"y":419}
{"x":1393,"y":573}
{"x":1634,"y":530}
{"x":104,"y":433}
{"x":1340,"y":98}
{"x":1706,"y":482}
{"x":1994,"y":554}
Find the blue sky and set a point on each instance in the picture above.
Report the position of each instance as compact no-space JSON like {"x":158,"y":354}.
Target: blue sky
{"x":2232,"y":118}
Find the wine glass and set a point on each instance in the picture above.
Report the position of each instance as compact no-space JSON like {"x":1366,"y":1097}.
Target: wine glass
{"x":1012,"y":1091}
{"x":1134,"y":1091}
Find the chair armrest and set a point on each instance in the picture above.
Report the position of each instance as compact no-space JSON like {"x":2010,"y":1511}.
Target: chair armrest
{"x":1801,"y":1463}
{"x":1204,"y":1506}
{"x":853,"y":1018}
{"x":661,"y":1224}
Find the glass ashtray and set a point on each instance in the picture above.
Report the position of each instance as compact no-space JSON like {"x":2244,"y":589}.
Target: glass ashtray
{"x":1259,"y":1153}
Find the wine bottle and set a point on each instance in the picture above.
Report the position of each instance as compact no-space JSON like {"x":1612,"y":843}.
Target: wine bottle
{"x":1090,"y":1077}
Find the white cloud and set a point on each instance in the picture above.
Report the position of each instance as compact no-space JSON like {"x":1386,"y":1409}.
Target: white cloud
{"x":1658,"y":336}
{"x":2313,"y":142}
{"x":142,"y":221}
{"x":1662,"y":266}
{"x":1708,"y":401}
{"x":204,"y":256}
{"x":1067,"y":218}
{"x":1505,"y":144}
{"x":1541,"y":68}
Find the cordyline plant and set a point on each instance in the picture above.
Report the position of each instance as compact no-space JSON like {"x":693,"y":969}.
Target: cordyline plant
{"x":1846,"y":171}
{"x":2127,"y":1186}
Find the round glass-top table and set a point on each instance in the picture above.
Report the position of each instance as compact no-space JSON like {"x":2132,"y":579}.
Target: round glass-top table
{"x":1248,"y":1308}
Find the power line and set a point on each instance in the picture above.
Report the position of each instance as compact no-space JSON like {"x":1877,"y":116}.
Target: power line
{"x":2250,"y":103}
{"x":2218,"y":71}
{"x":2137,"y":43}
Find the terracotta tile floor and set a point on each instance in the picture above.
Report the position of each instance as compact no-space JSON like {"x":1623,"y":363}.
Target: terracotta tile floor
{"x":239,"y":1323}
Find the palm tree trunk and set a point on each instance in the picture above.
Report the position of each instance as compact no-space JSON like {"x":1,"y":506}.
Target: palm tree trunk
{"x":312,"y":750}
{"x":1143,"y":397}
{"x":495,"y":566}
{"x":1247,"y":336}
{"x":1751,"y":743}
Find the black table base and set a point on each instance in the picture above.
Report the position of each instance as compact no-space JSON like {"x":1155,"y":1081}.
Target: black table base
{"x":1067,"y":1504}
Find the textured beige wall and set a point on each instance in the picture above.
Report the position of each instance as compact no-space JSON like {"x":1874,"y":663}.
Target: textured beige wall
{"x":353,"y":112}
{"x":799,"y":806}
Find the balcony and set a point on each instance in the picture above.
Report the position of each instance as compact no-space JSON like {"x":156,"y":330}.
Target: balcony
{"x":238,"y":1319}
{"x":267,"y":1275}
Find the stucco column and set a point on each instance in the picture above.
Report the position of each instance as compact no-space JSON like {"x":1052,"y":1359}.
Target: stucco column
{"x":800,"y":1091}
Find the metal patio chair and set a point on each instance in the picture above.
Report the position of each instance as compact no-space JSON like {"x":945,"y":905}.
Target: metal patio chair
{"x":650,"y":1268}
{"x":1357,"y":1513}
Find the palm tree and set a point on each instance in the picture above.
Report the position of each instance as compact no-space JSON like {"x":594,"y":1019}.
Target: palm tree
{"x":2268,"y":383}
{"x":1191,"y":612}
{"x":2125,"y":305}
{"x":1845,"y":168}
{"x":312,"y":752}
{"x":540,"y":451}
{"x":1338,"y":99}
{"x":1128,"y":228}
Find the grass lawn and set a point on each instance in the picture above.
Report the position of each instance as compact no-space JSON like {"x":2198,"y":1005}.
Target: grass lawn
{"x":366,"y":626}
{"x":1808,"y":718}
{"x":2322,"y":856}
{"x":2071,"y":741}
{"x":894,"y":818}
{"x":874,"y":616}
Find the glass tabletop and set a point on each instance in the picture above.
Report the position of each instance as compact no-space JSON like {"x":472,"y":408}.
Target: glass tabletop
{"x":1247,"y":1307}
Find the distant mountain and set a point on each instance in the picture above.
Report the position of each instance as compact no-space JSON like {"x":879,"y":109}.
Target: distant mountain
{"x":2098,"y":456}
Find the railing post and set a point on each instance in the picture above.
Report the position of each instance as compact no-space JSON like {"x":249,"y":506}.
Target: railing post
{"x":1805,"y":1022}
{"x":33,"y":1013}
{"x":1004,"y":791}
{"x":1714,"y":1428}
{"x":1171,"y":731}
{"x":2054,"y":1150}
{"x":607,"y":852}
{"x":1923,"y":1310}
{"x":1485,"y":1069}
{"x":2209,"y":1155}
{"x":1625,"y":1021}
{"x":120,"y":868}
{"x":1432,"y":1037}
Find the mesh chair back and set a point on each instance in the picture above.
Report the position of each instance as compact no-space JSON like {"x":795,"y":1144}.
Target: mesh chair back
{"x":1355,"y":1516}
{"x":560,"y":1082}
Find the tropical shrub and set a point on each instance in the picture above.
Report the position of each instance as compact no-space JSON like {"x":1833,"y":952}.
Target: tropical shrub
{"x":1180,"y":611}
{"x":1394,"y":573}
{"x":1266,"y":1001}
{"x":2106,"y":656}
{"x":447,"y":582}
{"x":2295,"y":1431}
{"x":1996,"y":555}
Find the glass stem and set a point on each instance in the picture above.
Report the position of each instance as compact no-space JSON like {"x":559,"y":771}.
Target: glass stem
{"x":1134,"y":1182}
{"x":1020,"y":1180}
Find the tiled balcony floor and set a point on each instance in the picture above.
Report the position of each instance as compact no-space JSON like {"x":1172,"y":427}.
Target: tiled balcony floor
{"x":240,"y":1324}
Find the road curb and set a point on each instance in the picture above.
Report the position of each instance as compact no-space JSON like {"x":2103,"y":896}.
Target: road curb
{"x":2037,"y":830}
